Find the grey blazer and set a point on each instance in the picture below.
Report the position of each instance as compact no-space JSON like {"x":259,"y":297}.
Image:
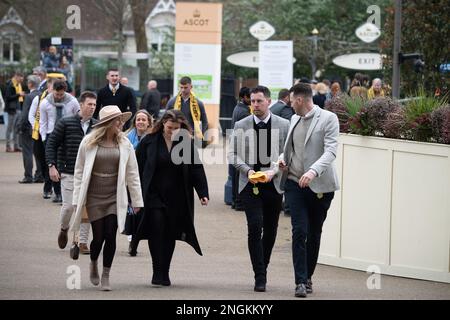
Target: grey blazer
{"x":242,"y":150}
{"x":320,"y":150}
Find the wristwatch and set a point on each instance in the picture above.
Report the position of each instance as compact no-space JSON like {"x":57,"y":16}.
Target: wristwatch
{"x":50,"y":165}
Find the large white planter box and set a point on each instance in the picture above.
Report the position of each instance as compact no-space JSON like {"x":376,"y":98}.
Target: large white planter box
{"x":393,"y":209}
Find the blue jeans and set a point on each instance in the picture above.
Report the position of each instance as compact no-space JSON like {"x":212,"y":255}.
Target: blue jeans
{"x":308,"y":213}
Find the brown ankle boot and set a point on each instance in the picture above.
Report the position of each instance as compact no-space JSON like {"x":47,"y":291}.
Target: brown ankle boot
{"x":105,"y":280}
{"x":93,"y":273}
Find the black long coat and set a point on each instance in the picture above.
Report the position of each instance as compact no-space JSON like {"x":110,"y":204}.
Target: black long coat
{"x":194,"y":177}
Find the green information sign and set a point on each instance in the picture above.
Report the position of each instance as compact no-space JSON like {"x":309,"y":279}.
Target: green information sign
{"x":202,"y":85}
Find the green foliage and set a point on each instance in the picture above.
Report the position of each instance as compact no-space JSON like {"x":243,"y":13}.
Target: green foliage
{"x":423,"y":104}
{"x":294,"y":20}
{"x":424,"y":30}
{"x":418,"y":114}
{"x":422,"y":119}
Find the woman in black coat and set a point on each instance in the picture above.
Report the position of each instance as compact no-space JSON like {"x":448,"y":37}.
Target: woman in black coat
{"x":170,"y":170}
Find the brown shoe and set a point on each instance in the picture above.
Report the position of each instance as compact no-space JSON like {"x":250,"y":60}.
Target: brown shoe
{"x":84,"y":248}
{"x":62,"y":238}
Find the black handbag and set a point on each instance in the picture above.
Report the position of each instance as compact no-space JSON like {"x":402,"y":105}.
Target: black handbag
{"x":131,"y":222}
{"x":74,"y":249}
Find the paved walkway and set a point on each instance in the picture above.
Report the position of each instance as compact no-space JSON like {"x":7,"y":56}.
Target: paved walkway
{"x":33,"y":267}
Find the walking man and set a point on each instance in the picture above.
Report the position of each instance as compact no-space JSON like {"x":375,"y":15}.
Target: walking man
{"x":282,"y":107}
{"x":117,"y":94}
{"x":56,"y":105}
{"x":256,"y":143}
{"x":151,"y":101}
{"x":192,"y":107}
{"x":61,"y":155}
{"x":310,"y":180}
{"x":26,"y":142}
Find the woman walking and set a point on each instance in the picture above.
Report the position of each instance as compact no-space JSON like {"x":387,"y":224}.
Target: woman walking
{"x":106,"y":165}
{"x":170,"y":170}
{"x":141,"y":125}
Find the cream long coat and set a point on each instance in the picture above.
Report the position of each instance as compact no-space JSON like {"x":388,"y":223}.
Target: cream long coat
{"x":128,"y":176}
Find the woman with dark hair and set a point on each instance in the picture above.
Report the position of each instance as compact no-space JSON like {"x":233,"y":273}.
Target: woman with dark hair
{"x":141,"y":125}
{"x":170,"y":170}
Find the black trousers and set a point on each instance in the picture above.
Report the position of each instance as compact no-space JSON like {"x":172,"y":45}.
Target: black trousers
{"x":262,"y":212}
{"x":161,"y":244}
{"x":26,"y":143}
{"x":39,"y":153}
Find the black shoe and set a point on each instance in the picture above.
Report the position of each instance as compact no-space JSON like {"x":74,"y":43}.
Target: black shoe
{"x":62,"y":238}
{"x":57,"y":198}
{"x":47,"y":194}
{"x":260,"y":285}
{"x":131,"y":249}
{"x":157,"y":279}
{"x":25,"y":180}
{"x":309,"y":288}
{"x":165,"y":280}
{"x":38,"y":180}
{"x":300,"y":291}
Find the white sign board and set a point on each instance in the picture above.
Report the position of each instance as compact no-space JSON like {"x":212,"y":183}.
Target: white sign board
{"x":262,"y":30}
{"x":202,"y":63}
{"x":276,"y":70}
{"x":249,"y":59}
{"x":359,"y":61}
{"x":368,"y":32}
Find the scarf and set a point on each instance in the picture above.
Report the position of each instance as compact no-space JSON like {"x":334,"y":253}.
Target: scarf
{"x":60,"y":104}
{"x":35,"y":133}
{"x":18,"y":87}
{"x":195,"y":112}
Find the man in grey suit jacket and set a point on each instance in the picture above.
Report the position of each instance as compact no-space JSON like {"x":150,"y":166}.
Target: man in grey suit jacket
{"x":256,"y":143}
{"x":282,"y":107}
{"x":309,"y":180}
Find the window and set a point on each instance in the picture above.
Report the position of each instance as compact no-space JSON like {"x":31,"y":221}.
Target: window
{"x":10,"y":49}
{"x":6,"y":51}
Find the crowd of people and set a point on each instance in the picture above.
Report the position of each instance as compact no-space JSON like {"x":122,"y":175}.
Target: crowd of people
{"x":108,"y":162}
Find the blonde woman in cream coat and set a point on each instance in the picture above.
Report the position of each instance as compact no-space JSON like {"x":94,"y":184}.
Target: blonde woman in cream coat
{"x":106,"y":165}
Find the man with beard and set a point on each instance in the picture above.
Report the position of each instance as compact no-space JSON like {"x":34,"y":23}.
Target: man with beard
{"x":56,"y":105}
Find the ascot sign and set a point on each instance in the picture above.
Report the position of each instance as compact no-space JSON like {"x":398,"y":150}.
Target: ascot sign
{"x":368,"y":32}
{"x":262,"y":30}
{"x":196,"y":20}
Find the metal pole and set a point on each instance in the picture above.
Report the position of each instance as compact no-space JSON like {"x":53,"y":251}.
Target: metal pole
{"x":397,"y":47}
{"x":314,"y":67}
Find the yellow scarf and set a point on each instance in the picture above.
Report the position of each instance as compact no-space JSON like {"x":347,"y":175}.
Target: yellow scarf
{"x":35,"y":133}
{"x":195,"y":112}
{"x":18,"y":87}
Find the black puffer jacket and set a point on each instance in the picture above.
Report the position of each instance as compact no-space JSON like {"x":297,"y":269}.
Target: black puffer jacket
{"x":62,"y":145}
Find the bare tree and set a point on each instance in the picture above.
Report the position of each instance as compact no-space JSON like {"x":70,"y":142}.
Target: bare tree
{"x":117,"y":14}
{"x":140,"y":9}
